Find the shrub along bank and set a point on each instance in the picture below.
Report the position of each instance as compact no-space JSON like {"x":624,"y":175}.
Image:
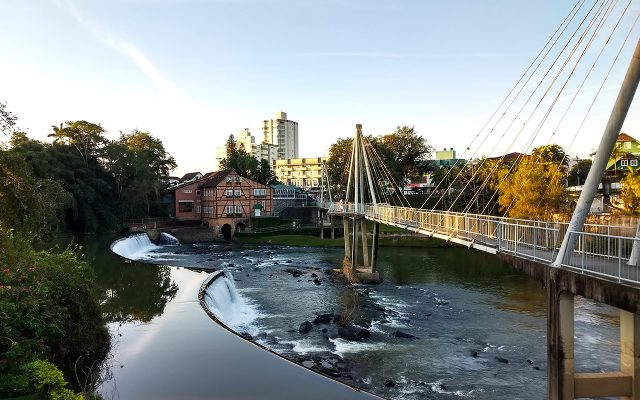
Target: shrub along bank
{"x":49,"y":310}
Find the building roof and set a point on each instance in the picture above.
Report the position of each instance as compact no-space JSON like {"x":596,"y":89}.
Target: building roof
{"x":509,"y":157}
{"x":183,"y":184}
{"x":214,"y":178}
{"x":623,"y":137}
{"x":189,"y":176}
{"x":287,"y":187}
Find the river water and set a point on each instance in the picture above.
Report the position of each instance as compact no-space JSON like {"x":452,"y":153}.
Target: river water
{"x":445,"y":323}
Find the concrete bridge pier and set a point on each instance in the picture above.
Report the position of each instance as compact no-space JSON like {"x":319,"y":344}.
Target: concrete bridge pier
{"x":355,"y":230}
{"x":563,"y":382}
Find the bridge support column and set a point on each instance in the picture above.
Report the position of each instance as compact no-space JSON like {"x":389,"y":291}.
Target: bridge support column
{"x":630,"y":351}
{"x":365,"y":244}
{"x":354,"y":246}
{"x":560,"y":355}
{"x":347,"y":245}
{"x":374,"y":247}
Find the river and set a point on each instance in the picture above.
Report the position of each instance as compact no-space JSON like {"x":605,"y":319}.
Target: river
{"x":445,"y":323}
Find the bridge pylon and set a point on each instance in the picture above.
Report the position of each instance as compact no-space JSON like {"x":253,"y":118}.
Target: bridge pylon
{"x":360,"y":193}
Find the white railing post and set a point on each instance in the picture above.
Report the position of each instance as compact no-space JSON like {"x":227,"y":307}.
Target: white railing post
{"x":498,"y":233}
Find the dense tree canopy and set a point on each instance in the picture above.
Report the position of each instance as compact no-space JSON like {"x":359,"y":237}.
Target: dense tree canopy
{"x":107,"y":181}
{"x":630,"y":192}
{"x":404,"y":152}
{"x":535,"y":190}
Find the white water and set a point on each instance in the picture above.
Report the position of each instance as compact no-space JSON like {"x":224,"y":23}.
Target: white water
{"x":133,"y":247}
{"x":167,"y":239}
{"x":230,"y":307}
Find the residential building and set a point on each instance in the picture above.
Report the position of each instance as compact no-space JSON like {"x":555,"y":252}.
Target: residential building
{"x":190,"y":177}
{"x":187,"y":200}
{"x":305,"y":173}
{"x":446,"y":157}
{"x":228,"y":200}
{"x":626,"y":153}
{"x":246,"y":141}
{"x":282,"y":133}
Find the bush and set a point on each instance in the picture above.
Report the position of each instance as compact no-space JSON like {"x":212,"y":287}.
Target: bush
{"x":48,"y":310}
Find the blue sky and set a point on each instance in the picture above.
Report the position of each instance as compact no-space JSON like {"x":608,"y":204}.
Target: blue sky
{"x":194,"y":71}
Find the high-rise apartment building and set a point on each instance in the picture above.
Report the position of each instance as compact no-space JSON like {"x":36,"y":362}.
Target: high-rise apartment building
{"x":247,"y":142}
{"x":305,"y":173}
{"x":282,"y":133}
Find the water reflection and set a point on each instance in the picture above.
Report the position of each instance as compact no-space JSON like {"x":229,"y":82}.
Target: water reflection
{"x":130,"y":291}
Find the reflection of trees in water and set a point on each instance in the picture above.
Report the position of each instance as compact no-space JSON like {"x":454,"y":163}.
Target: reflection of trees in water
{"x":137,"y":292}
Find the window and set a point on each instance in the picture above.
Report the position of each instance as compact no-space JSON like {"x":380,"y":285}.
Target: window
{"x":634,"y":163}
{"x":259,"y":192}
{"x":228,"y":192}
{"x":238,"y":179}
{"x":229,"y":210}
{"x":239,"y":209}
{"x":624,"y":163}
{"x":199,"y":210}
{"x":237,"y":193}
{"x":185,"y":206}
{"x":187,"y":191}
{"x":229,"y":179}
{"x":627,"y":145}
{"x":198,"y":192}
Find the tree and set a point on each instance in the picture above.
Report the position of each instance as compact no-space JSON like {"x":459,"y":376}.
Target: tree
{"x":552,"y":153}
{"x":578,"y":173}
{"x":232,"y":146}
{"x":139,"y":165}
{"x":247,"y":165}
{"x":86,"y":137}
{"x":7,"y":120}
{"x":338,"y":166}
{"x":405,"y":153}
{"x":630,"y":192}
{"x":534,"y":191}
{"x":28,"y":204}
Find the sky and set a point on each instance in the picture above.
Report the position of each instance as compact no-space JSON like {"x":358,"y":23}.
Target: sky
{"x":192,"y":72}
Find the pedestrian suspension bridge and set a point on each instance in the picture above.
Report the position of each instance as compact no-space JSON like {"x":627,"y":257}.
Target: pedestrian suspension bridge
{"x":597,"y":261}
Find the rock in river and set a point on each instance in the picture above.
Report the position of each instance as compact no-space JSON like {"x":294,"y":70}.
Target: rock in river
{"x":305,"y":327}
{"x":353,"y":333}
{"x":323,"y":319}
{"x":400,"y":334}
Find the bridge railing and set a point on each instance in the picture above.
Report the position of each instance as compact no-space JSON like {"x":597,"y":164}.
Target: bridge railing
{"x":613,"y":257}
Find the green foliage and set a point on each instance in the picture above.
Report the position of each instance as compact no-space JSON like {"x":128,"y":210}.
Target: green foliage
{"x":578,"y":173}
{"x":630,"y":192}
{"x":138,"y":164}
{"x":108,"y":181}
{"x":48,"y":309}
{"x":407,"y":154}
{"x":48,"y":381}
{"x":28,"y":204}
{"x":404,"y":152}
{"x":247,"y":165}
{"x":7,"y":120}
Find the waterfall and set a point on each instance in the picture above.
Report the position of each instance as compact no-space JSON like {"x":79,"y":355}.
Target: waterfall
{"x":230,"y":307}
{"x":168,"y":240}
{"x":133,"y":247}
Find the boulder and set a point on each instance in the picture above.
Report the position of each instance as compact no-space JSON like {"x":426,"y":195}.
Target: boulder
{"x":353,"y":333}
{"x":323,"y":319}
{"x":389,"y":383}
{"x":305,"y":327}
{"x":502,"y":360}
{"x":400,"y":334}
